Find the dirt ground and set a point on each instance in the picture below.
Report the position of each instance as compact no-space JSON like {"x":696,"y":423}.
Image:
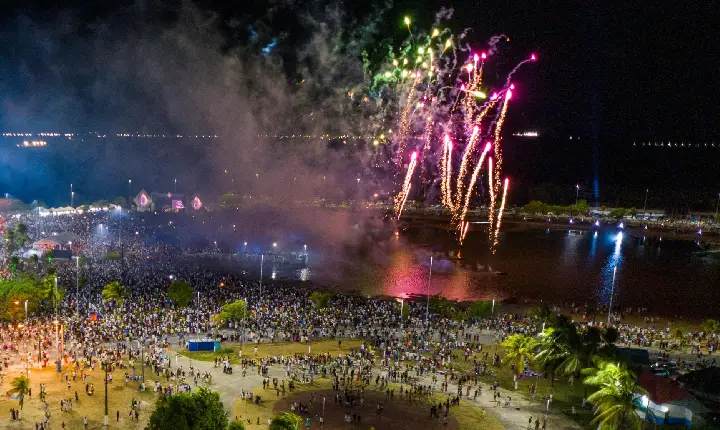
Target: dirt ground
{"x":397,"y":414}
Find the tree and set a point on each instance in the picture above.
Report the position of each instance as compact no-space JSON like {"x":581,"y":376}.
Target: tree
{"x":99,"y":204}
{"x":442,"y":306}
{"x":50,"y":292}
{"x":613,"y":402}
{"x":233,"y":312}
{"x":520,"y":347}
{"x":20,"y":386}
{"x":13,"y":294}
{"x":535,"y":207}
{"x":201,"y":410}
{"x":10,"y":241}
{"x":321,"y":299}
{"x":112,"y":255}
{"x":114,"y":291}
{"x":286,"y":421}
{"x":180,"y":292}
{"x":709,"y":326}
{"x":120,"y":201}
{"x":582,"y":207}
{"x":479,"y":309}
{"x":236,"y":425}
{"x":617,"y":213}
{"x":21,"y":236}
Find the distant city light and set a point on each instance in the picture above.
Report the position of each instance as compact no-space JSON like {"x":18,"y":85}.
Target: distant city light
{"x":527,"y":134}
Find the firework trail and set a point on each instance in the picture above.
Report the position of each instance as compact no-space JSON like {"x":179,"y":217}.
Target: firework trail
{"x":500,"y":215}
{"x":497,"y":148}
{"x":435,"y":81}
{"x":426,"y":147}
{"x":473,"y":180}
{"x":402,"y":204}
{"x":405,"y":118}
{"x":532,"y":58}
{"x":402,"y":197}
{"x":491,"y":191}
{"x":463,"y":164}
{"x":448,"y":174}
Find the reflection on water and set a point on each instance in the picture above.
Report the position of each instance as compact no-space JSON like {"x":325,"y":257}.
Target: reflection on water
{"x":556,"y":265}
{"x":610,"y":272}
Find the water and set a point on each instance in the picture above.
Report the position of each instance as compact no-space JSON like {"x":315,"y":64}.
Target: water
{"x":669,"y":277}
{"x":672,"y":277}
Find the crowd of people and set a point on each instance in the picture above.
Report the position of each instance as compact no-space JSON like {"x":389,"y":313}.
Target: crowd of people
{"x":99,"y":334}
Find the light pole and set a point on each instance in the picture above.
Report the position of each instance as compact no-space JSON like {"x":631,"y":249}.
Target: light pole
{"x":647,"y":190}
{"x":26,"y":311}
{"x":323,"y":199}
{"x":427,"y":305}
{"x":175,"y":185}
{"x":306,"y":254}
{"x":577,"y":193}
{"x":72,"y":196}
{"x":358,"y":192}
{"x":129,"y":192}
{"x":77,"y":284}
{"x":716,"y":205}
{"x":262,"y":260}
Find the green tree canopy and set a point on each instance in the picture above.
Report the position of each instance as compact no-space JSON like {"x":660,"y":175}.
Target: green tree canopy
{"x":613,"y":402}
{"x":100,"y":204}
{"x":233,"y":312}
{"x":520,"y":347}
{"x":20,"y":386}
{"x":535,"y":207}
{"x":114,"y":291}
{"x":321,"y":299}
{"x":50,"y":291}
{"x":120,"y":201}
{"x":14,"y":292}
{"x":286,"y":421}
{"x":180,"y":292}
{"x":201,"y":410}
{"x":479,"y":309}
{"x":710,"y":326}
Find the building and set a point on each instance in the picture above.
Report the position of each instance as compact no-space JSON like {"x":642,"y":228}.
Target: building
{"x":666,"y":402}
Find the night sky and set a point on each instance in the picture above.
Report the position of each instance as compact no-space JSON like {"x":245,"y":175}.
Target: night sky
{"x":610,"y":73}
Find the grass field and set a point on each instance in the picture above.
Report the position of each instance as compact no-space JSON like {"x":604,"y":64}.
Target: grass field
{"x":273,"y":349}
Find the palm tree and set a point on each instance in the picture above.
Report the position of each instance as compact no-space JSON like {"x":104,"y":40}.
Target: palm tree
{"x":710,"y":326}
{"x":613,"y":402}
{"x":520,"y":347}
{"x":49,"y":290}
{"x":20,"y":386}
{"x":114,"y":291}
{"x":21,"y":236}
{"x":286,"y":421}
{"x":10,"y":237}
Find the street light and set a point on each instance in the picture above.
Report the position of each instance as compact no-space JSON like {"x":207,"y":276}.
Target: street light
{"x":262,"y":260}
{"x":427,"y":305}
{"x":577,"y":193}
{"x":72,"y":195}
{"x":175,"y":185}
{"x":358,"y":182}
{"x":647,"y":190}
{"x":77,"y":284}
